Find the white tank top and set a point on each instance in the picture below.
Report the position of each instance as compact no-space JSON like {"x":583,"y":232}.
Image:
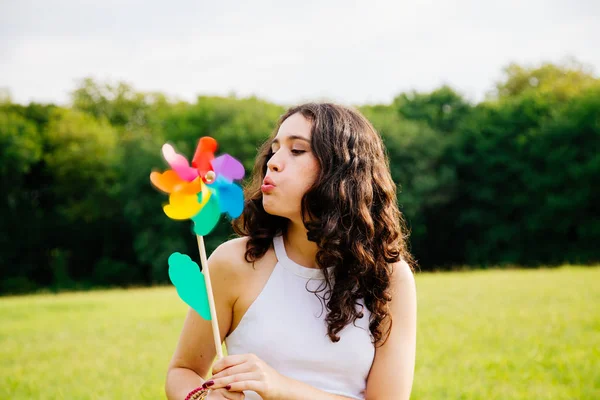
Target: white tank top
{"x":285,"y":327}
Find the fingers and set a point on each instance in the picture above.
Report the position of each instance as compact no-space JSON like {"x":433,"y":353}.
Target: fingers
{"x":236,"y":369}
{"x":256,"y":386}
{"x":229,"y":382}
{"x":238,"y":373}
{"x":227,"y":362}
{"x":220,"y":394}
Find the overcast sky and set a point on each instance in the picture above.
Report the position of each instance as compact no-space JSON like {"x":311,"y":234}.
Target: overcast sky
{"x":284,"y":51}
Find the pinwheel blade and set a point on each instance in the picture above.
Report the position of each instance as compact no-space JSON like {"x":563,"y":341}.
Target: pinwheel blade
{"x":179,"y":164}
{"x":228,"y":167}
{"x":205,"y":153}
{"x":166,"y":181}
{"x":189,"y":281}
{"x":231,"y":197}
{"x":170,"y":182}
{"x":182,"y":206}
{"x":207,"y":218}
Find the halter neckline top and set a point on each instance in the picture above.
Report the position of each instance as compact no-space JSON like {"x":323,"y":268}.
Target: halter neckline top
{"x":285,"y":327}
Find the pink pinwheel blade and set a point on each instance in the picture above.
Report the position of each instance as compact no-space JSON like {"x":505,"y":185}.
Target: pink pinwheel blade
{"x":179,"y":163}
{"x":228,"y":167}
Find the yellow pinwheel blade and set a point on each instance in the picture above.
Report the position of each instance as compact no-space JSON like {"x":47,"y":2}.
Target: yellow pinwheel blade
{"x":205,"y":194}
{"x":182,"y":206}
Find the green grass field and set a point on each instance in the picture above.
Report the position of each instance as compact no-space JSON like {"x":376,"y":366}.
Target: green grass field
{"x":513,"y":334}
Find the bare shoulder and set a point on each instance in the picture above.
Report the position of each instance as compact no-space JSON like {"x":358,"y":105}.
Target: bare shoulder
{"x":402,"y":274}
{"x":242,"y":281}
{"x":228,"y":263}
{"x":404,"y":293}
{"x":226,"y":266}
{"x":229,"y":255}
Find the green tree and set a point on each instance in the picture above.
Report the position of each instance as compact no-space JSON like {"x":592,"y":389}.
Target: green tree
{"x":442,"y":109}
{"x":20,"y":213}
{"x":524,"y":166}
{"x":120,"y":104}
{"x":425,"y":184}
{"x":561,"y":81}
{"x":81,"y":157}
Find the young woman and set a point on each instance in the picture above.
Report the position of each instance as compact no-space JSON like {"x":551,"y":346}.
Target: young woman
{"x":316,"y":299}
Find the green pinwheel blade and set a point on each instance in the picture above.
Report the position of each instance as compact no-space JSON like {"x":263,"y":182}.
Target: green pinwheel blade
{"x":206,"y":220}
{"x":189,"y":281}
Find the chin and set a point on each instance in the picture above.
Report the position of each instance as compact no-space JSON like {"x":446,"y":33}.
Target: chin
{"x":269,"y":209}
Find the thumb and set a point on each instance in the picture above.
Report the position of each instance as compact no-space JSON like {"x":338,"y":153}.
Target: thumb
{"x":226,"y":394}
{"x":234,"y":395}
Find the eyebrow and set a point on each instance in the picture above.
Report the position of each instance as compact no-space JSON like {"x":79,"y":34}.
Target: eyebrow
{"x":290,"y":138}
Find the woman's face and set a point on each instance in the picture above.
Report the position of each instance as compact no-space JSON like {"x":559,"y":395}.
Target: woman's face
{"x":293,"y":168}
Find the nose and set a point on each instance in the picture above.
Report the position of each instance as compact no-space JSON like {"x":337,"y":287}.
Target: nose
{"x":274,"y":164}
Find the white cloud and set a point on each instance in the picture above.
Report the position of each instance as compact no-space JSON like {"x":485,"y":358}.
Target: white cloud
{"x":349,"y":52}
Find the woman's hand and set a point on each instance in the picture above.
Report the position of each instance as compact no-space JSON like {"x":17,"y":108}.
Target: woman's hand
{"x":222,"y":394}
{"x":247,"y":372}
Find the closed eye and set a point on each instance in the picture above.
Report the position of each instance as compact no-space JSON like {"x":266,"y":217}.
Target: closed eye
{"x":294,"y":151}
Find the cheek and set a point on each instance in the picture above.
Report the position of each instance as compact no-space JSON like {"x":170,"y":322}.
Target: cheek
{"x":309,"y":175}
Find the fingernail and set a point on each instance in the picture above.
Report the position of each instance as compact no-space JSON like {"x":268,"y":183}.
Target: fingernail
{"x":209,"y":383}
{"x":228,"y":387}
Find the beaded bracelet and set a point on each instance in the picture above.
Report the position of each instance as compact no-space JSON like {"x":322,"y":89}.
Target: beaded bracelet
{"x":197,"y":394}
{"x":201,"y":395}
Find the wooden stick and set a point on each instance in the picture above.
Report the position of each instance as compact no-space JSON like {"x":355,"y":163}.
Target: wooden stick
{"x":211,"y":299}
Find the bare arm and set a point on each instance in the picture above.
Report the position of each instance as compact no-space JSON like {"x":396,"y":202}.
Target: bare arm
{"x":392,"y":373}
{"x":195,"y":351}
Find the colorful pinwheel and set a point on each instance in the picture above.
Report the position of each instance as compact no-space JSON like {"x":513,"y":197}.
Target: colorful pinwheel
{"x":201,"y":192}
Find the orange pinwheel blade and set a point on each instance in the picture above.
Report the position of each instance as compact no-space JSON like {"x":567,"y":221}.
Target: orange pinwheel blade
{"x":170,"y":182}
{"x":167,"y":181}
{"x":193,"y":187}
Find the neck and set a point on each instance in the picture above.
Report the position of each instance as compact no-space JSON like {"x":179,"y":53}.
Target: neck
{"x":298,"y":248}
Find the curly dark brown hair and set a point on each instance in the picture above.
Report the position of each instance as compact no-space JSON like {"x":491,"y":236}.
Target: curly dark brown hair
{"x":354,"y":215}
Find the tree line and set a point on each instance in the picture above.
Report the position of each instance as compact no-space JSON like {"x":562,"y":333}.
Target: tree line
{"x":511,"y":180}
